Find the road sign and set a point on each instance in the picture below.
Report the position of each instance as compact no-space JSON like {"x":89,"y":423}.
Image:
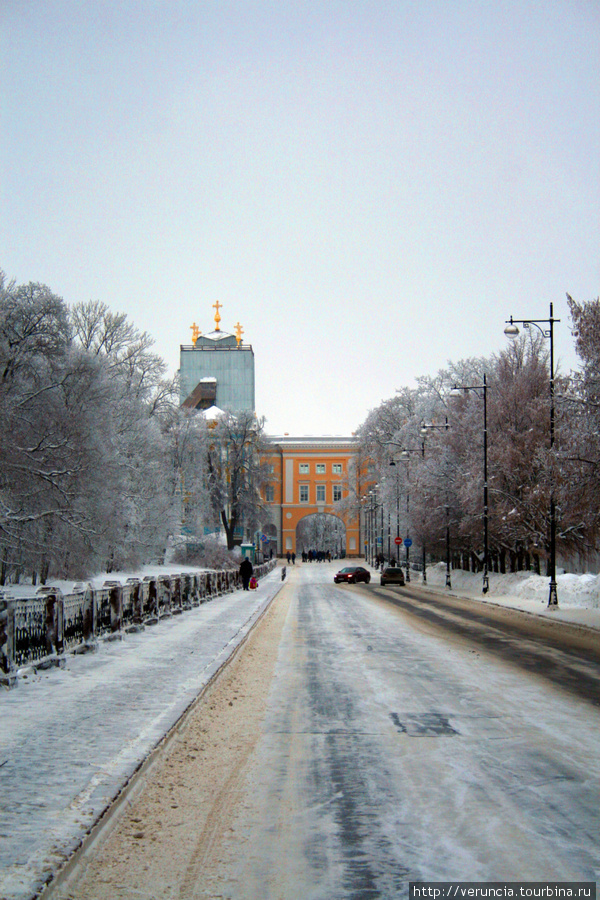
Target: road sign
{"x":408,"y":542}
{"x":398,"y":540}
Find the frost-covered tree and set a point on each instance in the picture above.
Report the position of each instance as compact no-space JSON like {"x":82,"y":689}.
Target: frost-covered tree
{"x":580,"y":407}
{"x":135,"y":418}
{"x":321,"y":532}
{"x":127,"y":352}
{"x":83,"y":442}
{"x":37,"y":469}
{"x":190,"y":438}
{"x":439,"y":494}
{"x":236,"y":472}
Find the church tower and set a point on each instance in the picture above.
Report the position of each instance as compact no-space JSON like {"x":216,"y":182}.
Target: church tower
{"x":217,"y":369}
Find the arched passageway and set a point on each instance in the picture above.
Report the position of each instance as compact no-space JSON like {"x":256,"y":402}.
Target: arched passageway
{"x":321,"y":533}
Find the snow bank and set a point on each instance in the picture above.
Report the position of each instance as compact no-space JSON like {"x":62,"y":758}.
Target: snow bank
{"x":578,"y":595}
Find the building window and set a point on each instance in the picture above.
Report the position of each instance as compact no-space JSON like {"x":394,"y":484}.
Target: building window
{"x":320,"y":493}
{"x":337,"y":492}
{"x":303,"y":493}
{"x":320,"y":468}
{"x":303,"y":468}
{"x":336,"y":468}
{"x":270,"y":495}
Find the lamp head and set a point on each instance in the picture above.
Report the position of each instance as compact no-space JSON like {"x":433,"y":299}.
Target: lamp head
{"x":511,"y":330}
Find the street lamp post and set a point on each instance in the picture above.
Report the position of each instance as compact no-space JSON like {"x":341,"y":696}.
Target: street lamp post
{"x":370,"y":527}
{"x":425,"y":428}
{"x":406,"y":451}
{"x":483,"y":388}
{"x":382,"y":511}
{"x":373,"y":524}
{"x":512,"y":331}
{"x":448,"y":579}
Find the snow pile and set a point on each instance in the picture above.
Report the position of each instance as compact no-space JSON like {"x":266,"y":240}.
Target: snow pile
{"x":582,"y":591}
{"x":578,"y":595}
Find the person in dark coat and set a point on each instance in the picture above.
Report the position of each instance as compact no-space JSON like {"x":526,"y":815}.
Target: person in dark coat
{"x":246,"y":572}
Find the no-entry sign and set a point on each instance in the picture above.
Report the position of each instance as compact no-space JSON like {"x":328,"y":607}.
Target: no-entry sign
{"x":398,"y":540}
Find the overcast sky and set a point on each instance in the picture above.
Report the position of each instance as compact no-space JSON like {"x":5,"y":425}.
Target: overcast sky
{"x":369,"y":188}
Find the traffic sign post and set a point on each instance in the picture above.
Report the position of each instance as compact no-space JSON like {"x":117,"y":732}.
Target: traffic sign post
{"x":407,"y":543}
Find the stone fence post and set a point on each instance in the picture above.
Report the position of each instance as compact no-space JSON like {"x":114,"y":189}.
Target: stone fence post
{"x":115,"y":594}
{"x":90,"y":617}
{"x":54,"y":621}
{"x":8,"y":675}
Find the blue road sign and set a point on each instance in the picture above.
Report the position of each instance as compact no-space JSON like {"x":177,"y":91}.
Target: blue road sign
{"x":408,"y":542}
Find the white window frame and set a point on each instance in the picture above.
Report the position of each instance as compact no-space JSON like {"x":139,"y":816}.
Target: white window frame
{"x":321,"y":493}
{"x":337,"y":489}
{"x":304,"y":468}
{"x":320,"y":468}
{"x":336,"y":468}
{"x":304,"y":488}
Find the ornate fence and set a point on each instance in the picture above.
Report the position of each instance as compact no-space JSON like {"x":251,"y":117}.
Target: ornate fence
{"x":40,"y":630}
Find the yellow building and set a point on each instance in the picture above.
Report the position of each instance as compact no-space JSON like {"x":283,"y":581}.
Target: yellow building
{"x":310,"y":475}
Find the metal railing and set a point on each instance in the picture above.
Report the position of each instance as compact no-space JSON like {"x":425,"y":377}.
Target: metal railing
{"x":40,"y":630}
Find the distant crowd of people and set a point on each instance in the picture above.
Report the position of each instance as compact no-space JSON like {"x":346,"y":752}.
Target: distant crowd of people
{"x":312,"y":556}
{"x":380,"y":562}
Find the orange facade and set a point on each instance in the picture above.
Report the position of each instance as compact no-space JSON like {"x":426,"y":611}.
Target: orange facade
{"x":310,"y":475}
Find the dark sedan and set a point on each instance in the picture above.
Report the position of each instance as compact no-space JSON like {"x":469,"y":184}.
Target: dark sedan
{"x":392,"y":575}
{"x":352,"y":574}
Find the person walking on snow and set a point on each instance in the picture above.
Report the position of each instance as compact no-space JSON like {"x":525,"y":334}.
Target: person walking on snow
{"x":246,"y":572}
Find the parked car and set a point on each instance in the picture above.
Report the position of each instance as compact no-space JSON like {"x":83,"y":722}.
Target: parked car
{"x":352,"y":574}
{"x":392,"y":576}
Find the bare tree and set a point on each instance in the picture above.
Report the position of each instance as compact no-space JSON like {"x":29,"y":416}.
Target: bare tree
{"x":237,"y":472}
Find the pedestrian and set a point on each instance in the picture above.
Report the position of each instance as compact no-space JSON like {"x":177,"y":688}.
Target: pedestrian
{"x":289,"y":557}
{"x":293,"y":559}
{"x":246,"y":570}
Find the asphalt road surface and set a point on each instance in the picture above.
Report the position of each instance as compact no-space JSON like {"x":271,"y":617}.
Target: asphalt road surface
{"x":362,"y":738}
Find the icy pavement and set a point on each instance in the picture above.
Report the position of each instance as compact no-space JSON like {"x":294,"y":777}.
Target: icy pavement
{"x":72,"y":737}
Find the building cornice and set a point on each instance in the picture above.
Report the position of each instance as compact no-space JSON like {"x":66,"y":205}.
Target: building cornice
{"x":311,"y":442}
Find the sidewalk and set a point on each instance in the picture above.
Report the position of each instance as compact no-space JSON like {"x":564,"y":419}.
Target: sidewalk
{"x":72,"y":737}
{"x":578,"y":595}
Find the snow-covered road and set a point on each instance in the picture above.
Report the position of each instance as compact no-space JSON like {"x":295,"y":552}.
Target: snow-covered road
{"x":348,"y":750}
{"x":70,"y":738}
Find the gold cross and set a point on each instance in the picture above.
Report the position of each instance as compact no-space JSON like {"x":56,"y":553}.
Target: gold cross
{"x":217,"y":306}
{"x":195,"y":333}
{"x":238,"y":333}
